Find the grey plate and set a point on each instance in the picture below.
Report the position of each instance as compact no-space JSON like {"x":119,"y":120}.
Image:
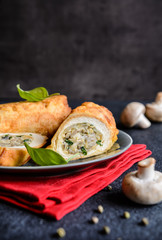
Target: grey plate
{"x":124,"y":141}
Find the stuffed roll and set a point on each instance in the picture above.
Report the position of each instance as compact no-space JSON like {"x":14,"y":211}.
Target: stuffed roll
{"x":89,"y":130}
{"x":12,"y":149}
{"x":43,"y":117}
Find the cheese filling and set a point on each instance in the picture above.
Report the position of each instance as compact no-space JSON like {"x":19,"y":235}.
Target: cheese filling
{"x":8,"y":140}
{"x":81,"y":137}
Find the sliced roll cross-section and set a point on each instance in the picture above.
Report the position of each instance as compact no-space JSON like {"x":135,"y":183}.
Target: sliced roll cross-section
{"x":12,"y":148}
{"x":88,"y":131}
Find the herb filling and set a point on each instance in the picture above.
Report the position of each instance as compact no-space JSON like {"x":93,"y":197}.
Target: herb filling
{"x":9,"y":140}
{"x":81,"y":137}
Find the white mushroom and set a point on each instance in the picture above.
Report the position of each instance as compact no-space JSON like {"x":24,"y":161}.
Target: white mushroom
{"x":145,"y":185}
{"x":133,"y":115}
{"x":154,"y":110}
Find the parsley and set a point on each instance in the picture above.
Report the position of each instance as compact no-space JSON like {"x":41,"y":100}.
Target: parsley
{"x":99,"y":142}
{"x":83,"y":150}
{"x":68,"y":142}
{"x":6,"y":137}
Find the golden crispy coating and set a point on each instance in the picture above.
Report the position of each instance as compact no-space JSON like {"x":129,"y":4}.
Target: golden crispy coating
{"x":42,"y":117}
{"x":13,"y":157}
{"x":100,"y":112}
{"x":87,"y":114}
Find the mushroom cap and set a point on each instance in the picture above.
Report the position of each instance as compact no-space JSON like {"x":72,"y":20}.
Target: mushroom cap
{"x":142,"y":191}
{"x":131,"y":113}
{"x":154,"y":109}
{"x":147,"y":162}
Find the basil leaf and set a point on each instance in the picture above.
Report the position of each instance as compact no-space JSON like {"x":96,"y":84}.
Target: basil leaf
{"x":34,"y":95}
{"x":45,"y":157}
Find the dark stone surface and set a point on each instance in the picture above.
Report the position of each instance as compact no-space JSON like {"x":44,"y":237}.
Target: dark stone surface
{"x":17,"y":223}
{"x":86,"y":49}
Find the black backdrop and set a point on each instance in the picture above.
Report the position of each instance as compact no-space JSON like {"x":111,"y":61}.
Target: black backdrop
{"x":86,"y":49}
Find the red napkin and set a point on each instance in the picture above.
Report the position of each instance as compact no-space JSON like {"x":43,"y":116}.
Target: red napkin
{"x":55,"y":196}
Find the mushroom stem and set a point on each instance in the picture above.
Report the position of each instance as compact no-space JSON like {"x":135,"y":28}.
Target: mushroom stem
{"x":143,"y":122}
{"x":158,"y":99}
{"x":146,"y":169}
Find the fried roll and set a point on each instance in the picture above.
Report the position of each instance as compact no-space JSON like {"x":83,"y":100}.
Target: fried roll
{"x":12,"y":149}
{"x":43,"y":117}
{"x":88,"y":131}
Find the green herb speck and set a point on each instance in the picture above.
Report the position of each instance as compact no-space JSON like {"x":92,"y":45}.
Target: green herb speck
{"x":99,"y":142}
{"x":5,"y":136}
{"x":84,"y":150}
{"x":68,"y":142}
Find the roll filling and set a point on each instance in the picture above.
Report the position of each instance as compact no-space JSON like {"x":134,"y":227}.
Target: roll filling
{"x":88,"y":131}
{"x":81,"y":137}
{"x":8,"y":140}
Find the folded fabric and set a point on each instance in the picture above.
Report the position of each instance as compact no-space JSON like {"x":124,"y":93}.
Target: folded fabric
{"x":55,"y":196}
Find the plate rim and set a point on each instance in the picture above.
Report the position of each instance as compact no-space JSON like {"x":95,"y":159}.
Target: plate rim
{"x":67,"y":166}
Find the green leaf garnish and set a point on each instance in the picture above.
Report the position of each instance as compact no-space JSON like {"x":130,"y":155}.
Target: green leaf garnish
{"x":83,"y":151}
{"x":68,"y":142}
{"x":45,"y":157}
{"x":99,"y":142}
{"x":34,"y":95}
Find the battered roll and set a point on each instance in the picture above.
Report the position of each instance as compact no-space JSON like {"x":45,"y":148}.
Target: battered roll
{"x":12,"y":149}
{"x":89,"y":130}
{"x":43,"y":117}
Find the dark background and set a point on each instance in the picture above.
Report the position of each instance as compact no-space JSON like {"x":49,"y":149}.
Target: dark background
{"x":88,"y":50}
{"x":85,"y":49}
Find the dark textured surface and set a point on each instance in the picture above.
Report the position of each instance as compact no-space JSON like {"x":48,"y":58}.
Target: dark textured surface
{"x":17,"y":223}
{"x":86,"y":49}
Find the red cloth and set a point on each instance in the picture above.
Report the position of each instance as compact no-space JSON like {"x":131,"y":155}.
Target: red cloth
{"x":55,"y":196}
